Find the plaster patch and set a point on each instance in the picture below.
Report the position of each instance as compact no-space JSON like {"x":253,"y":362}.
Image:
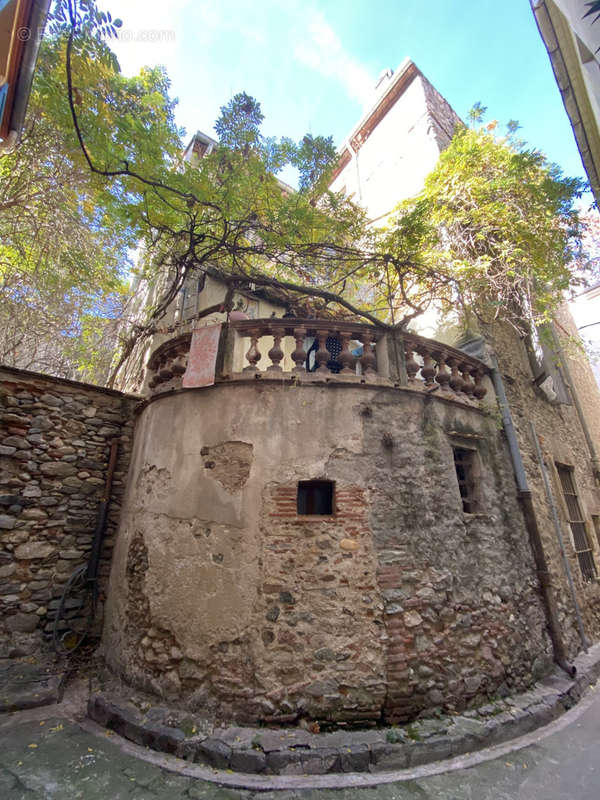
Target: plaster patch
{"x":229,"y":464}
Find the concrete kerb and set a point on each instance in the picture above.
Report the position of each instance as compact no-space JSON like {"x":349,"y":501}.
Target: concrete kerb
{"x":264,"y":757}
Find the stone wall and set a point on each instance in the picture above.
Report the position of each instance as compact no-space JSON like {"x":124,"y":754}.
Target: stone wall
{"x":562,"y":441}
{"x":54,"y":444}
{"x":224,"y":597}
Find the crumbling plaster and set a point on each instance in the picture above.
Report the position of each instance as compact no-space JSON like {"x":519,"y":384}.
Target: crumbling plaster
{"x":396,"y":603}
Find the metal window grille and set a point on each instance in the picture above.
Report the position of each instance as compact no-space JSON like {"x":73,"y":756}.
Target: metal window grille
{"x":464,"y":464}
{"x":577,"y":523}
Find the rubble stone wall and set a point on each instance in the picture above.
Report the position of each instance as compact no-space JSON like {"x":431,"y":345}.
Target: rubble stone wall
{"x":224,"y":597}
{"x":54,"y":445}
{"x":562,"y":441}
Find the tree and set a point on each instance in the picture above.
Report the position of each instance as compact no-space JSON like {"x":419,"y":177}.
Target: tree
{"x":500,"y":221}
{"x":470,"y":238}
{"x":238,"y":127}
{"x":66,"y":235}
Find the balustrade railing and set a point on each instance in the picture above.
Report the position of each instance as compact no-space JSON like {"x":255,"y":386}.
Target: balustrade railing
{"x":168,"y":363}
{"x":443,"y":367}
{"x":319,"y":349}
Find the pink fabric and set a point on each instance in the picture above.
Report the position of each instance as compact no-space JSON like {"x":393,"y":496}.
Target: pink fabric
{"x":202,"y":357}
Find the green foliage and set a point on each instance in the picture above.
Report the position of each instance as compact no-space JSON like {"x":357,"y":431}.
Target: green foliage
{"x":238,"y":126}
{"x":315,"y":158}
{"x":65,"y":234}
{"x":99,"y":173}
{"x":499,"y":221}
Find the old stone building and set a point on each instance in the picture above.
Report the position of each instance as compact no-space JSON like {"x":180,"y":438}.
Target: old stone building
{"x":319,"y":519}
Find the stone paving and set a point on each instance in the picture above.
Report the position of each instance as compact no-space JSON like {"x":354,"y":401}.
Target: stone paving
{"x":27,"y":684}
{"x":53,"y":758}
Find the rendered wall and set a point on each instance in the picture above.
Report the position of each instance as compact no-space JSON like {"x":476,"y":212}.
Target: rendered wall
{"x":393,"y":162}
{"x":222,"y":596}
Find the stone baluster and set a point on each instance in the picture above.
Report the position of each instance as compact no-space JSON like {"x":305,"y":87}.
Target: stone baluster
{"x":346,"y":358}
{"x":456,"y":382}
{"x":443,"y":376}
{"x":275,"y":353}
{"x":412,"y":366}
{"x":179,"y":364}
{"x":368,"y":361}
{"x":468,"y":385}
{"x":165,"y":372}
{"x":479,"y":390}
{"x":299,"y":354}
{"x":428,"y":368}
{"x":253,"y":355}
{"x":322,"y":354}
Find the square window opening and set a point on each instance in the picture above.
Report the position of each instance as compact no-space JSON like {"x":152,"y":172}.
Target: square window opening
{"x":315,"y":497}
{"x":465,"y":465}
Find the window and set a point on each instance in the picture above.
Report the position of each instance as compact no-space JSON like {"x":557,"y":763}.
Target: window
{"x":315,"y":497}
{"x":575,"y":518}
{"x":545,"y":365}
{"x":465,"y":464}
{"x":596,"y":524}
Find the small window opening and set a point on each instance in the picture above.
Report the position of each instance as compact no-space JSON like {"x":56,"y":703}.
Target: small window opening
{"x":596,"y":524}
{"x":315,"y":497}
{"x":576,"y":522}
{"x":465,"y":466}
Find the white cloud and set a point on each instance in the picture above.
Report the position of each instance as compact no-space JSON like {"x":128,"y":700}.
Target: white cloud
{"x":149,"y":34}
{"x":325,"y":53}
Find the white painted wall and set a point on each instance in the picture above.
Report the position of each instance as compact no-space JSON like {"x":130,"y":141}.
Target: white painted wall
{"x":393,"y":162}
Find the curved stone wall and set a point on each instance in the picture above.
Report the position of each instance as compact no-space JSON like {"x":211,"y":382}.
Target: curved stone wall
{"x":222,"y":596}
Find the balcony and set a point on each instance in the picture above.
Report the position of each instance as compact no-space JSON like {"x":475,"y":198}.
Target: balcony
{"x":326,"y":351}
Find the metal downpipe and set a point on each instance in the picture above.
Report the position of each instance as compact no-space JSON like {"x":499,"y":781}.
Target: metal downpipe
{"x":524,"y":494}
{"x":559,"y":537}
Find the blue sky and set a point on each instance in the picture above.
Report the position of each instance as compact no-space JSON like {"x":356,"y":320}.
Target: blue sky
{"x":312,"y":64}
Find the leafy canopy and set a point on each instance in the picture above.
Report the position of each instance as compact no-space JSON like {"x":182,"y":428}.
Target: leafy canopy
{"x":66,"y":234}
{"x":492,"y":232}
{"x":500,"y":222}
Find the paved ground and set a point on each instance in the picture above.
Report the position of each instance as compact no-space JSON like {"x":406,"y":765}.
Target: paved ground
{"x":53,"y":758}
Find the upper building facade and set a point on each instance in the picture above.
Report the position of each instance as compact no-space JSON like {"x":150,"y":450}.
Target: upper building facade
{"x":396,"y":143}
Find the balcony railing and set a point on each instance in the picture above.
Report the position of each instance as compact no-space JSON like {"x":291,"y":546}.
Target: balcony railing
{"x":317,"y":350}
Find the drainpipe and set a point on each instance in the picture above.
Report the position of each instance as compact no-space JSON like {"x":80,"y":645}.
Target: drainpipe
{"x":354,"y":155}
{"x":566,"y":376}
{"x":524,"y":494}
{"x":559,"y":537}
